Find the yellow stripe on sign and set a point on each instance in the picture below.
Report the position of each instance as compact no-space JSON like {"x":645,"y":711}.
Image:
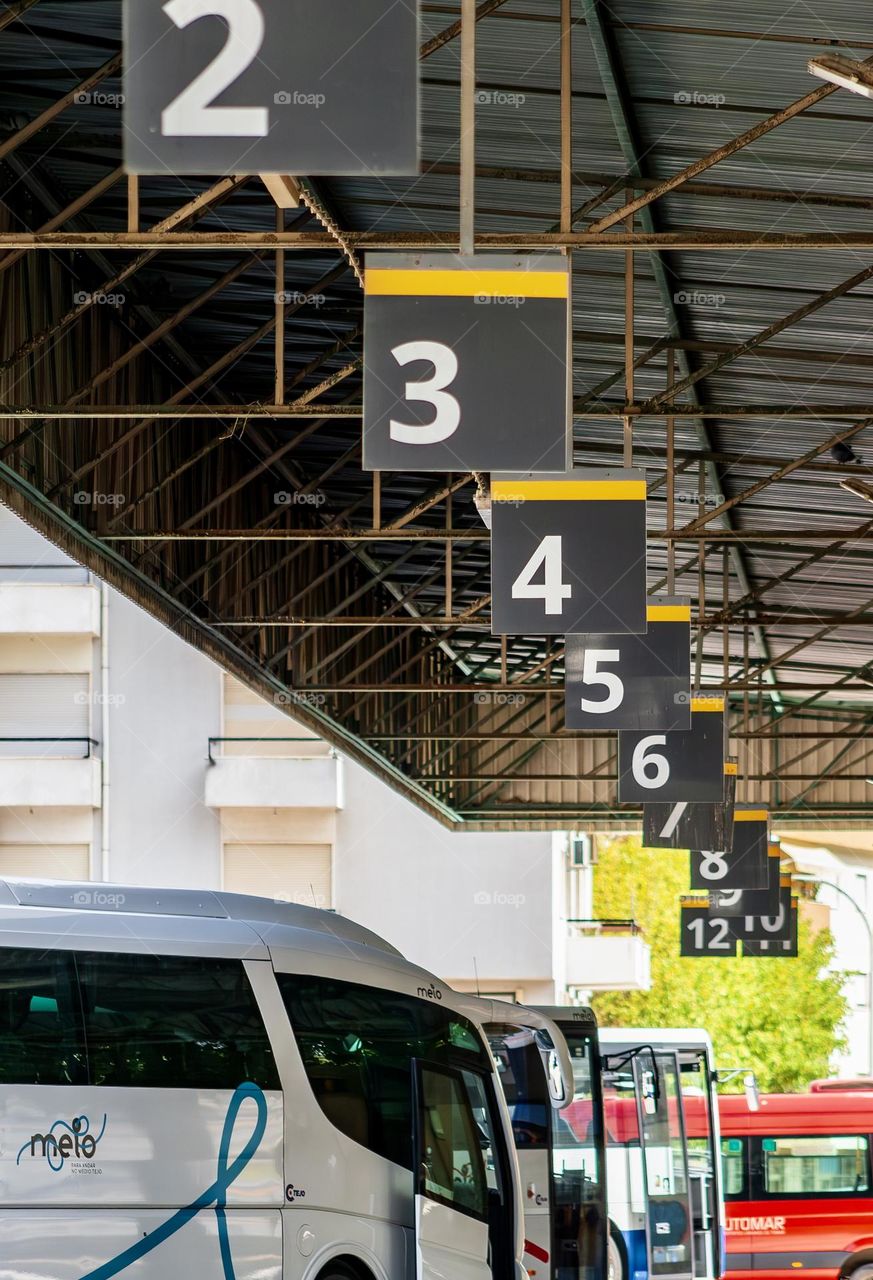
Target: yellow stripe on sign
{"x":730,"y":769}
{"x":668,"y":613}
{"x":751,"y":815}
{"x":388,"y":282}
{"x":707,"y":704}
{"x":568,"y":490}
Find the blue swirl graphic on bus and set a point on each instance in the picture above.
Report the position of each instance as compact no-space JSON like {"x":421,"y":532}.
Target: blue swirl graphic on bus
{"x":215,"y":1194}
{"x":65,"y":1140}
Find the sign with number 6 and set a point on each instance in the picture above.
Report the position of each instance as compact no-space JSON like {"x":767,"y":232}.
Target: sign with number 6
{"x":568,"y":554}
{"x":632,"y":681}
{"x":270,"y":86}
{"x":676,"y":766}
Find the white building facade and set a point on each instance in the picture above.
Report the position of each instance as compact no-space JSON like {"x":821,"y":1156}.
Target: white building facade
{"x":127,"y":755}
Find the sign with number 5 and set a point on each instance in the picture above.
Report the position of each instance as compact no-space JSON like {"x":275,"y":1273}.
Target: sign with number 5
{"x":632,"y":681}
{"x":568,"y":554}
{"x":466,"y":362}
{"x":270,"y":86}
{"x":676,"y":766}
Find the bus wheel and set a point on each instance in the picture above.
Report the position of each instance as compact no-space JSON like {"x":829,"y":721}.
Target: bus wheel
{"x":615,"y":1258}
{"x":864,"y":1271}
{"x":339,"y":1271}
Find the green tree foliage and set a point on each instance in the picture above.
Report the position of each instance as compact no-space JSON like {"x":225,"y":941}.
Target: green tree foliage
{"x":782,"y":1018}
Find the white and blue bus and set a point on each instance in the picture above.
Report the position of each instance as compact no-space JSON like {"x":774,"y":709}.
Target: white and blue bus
{"x":229,"y":1088}
{"x":666,"y":1206}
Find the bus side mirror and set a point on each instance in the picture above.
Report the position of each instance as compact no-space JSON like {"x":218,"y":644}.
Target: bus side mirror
{"x":753,"y":1097}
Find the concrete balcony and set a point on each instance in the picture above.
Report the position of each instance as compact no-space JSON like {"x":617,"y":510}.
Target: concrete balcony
{"x":52,"y":780}
{"x":607,"y":955}
{"x":49,"y":608}
{"x":292,"y":781}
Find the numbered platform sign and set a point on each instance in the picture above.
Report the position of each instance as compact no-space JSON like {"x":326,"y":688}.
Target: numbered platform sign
{"x":753,"y":902}
{"x":466,"y":363}
{"x":693,"y":826}
{"x":776,"y":949}
{"x":568,"y":554}
{"x":676,"y":766}
{"x":632,"y":681}
{"x":745,"y":865}
{"x":271,"y":86}
{"x":770,"y":927}
{"x":702,"y":933}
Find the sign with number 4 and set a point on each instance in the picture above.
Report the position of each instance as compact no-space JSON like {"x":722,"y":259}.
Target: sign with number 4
{"x":270,"y":86}
{"x":568,"y":553}
{"x":466,"y":363}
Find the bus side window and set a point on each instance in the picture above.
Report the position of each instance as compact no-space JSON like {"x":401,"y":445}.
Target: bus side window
{"x":162,"y":1022}
{"x":733,"y":1163}
{"x":816,"y":1166}
{"x":41,"y":1039}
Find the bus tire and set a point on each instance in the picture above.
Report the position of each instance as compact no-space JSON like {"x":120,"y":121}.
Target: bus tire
{"x":616,"y":1268}
{"x":860,"y":1270}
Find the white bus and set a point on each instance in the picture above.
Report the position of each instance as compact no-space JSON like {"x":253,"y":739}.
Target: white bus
{"x":560,"y":1151}
{"x":208,"y":1085}
{"x":666,"y":1205}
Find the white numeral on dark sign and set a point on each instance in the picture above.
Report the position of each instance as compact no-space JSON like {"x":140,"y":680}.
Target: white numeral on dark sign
{"x":674,"y":819}
{"x":431,"y":391}
{"x":191,"y":114}
{"x":713,"y":866}
{"x":649,"y":768}
{"x":612,"y":683}
{"x":720,"y":941}
{"x":553,"y":590}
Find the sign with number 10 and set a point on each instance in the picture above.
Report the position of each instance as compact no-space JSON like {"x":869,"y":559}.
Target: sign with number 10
{"x":270,"y":86}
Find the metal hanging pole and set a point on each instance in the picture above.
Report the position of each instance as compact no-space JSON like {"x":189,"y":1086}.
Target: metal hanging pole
{"x":671,"y":479}
{"x":468,"y":126}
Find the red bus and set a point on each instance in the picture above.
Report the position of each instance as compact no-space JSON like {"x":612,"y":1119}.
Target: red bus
{"x":797,"y":1185}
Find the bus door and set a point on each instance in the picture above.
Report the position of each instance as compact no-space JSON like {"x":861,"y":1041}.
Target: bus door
{"x":578,"y":1157}
{"x":703,"y":1162}
{"x":669,"y":1227}
{"x":464,"y":1212}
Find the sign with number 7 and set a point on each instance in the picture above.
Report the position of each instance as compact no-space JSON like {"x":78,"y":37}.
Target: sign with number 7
{"x":466,"y":362}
